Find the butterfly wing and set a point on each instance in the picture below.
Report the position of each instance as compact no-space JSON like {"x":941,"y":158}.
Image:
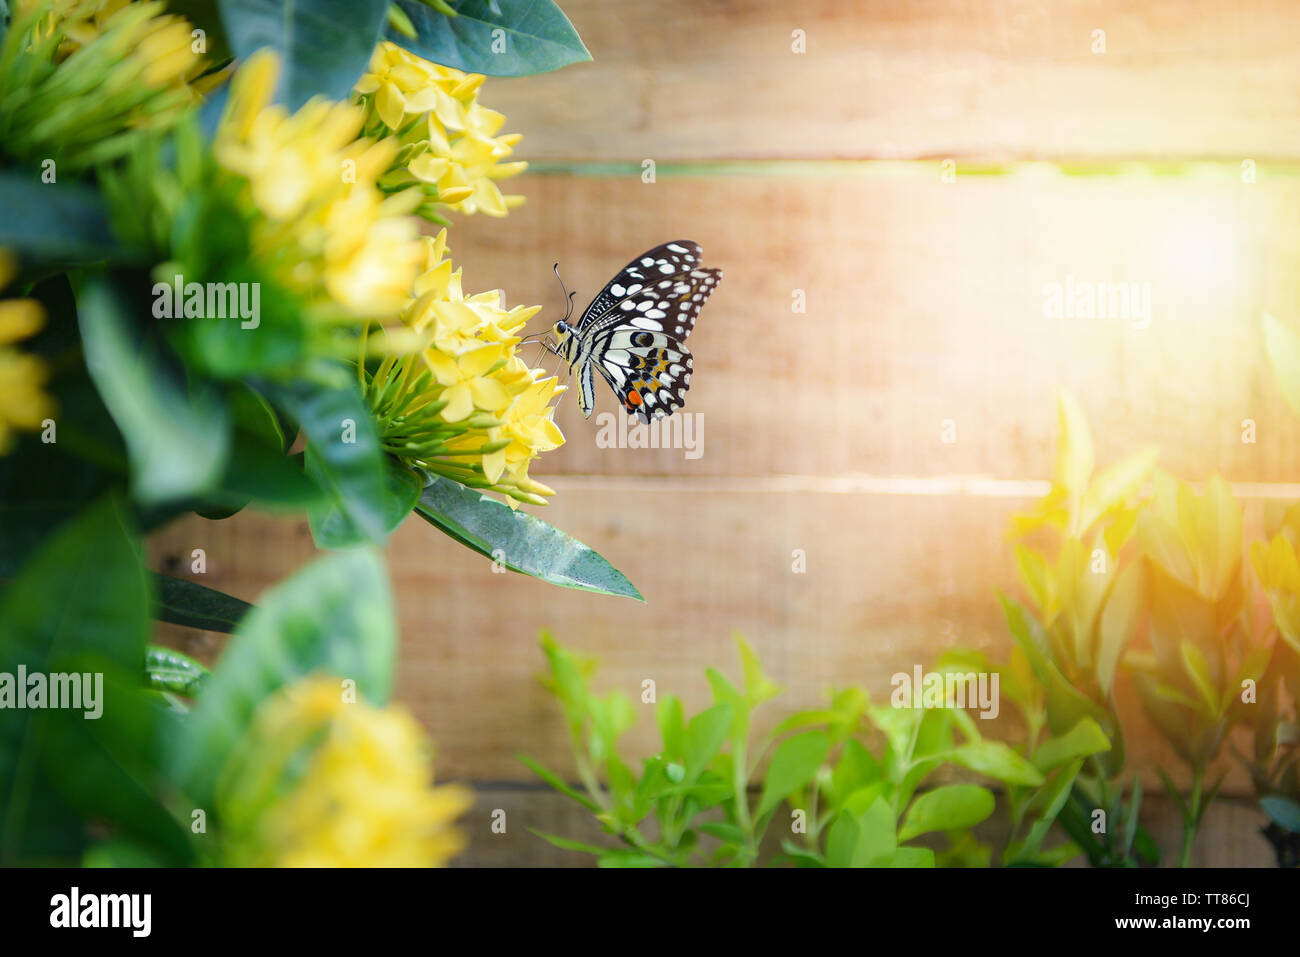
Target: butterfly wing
{"x":635,"y":330}
{"x":665,"y":261}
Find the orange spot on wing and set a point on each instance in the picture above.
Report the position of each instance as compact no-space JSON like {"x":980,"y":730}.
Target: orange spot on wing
{"x":634,"y":398}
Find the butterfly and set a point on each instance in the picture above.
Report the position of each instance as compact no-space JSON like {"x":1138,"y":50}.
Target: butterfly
{"x":634,"y":332}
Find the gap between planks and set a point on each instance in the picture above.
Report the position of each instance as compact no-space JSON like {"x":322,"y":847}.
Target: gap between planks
{"x":974,"y":486}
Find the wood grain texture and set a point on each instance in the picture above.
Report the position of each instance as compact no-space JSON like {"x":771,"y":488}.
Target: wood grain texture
{"x":891,"y":582}
{"x":692,"y":79}
{"x":930,"y":301}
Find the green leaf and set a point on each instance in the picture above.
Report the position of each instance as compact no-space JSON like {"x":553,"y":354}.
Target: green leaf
{"x":55,"y":221}
{"x":758,"y":686}
{"x":793,"y":765}
{"x":324,"y":45}
{"x":856,"y":769}
{"x":1162,"y":543}
{"x":863,"y":840}
{"x":566,"y":844}
{"x":333,"y":617}
{"x":343,"y":448}
{"x":330,"y":526}
{"x":1198,"y":668}
{"x":1074,"y":457}
{"x":559,"y":784}
{"x":912,"y":857}
{"x":1284,"y":352}
{"x":537,"y":36}
{"x":1218,"y":539}
{"x":192,"y":605}
{"x":1084,"y":739}
{"x":1282,"y":811}
{"x":168,"y":670}
{"x":1113,"y":485}
{"x":946,"y":809}
{"x":1119,"y":620}
{"x":997,"y":760}
{"x":705,"y":734}
{"x":672,"y":726}
{"x":177,"y":436}
{"x":83,"y":593}
{"x":522,"y":542}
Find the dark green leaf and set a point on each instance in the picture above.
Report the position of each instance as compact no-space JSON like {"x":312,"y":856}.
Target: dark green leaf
{"x":324,"y":45}
{"x":522,"y":542}
{"x":331,"y":528}
{"x":192,"y":605}
{"x":177,"y":436}
{"x":53,"y":221}
{"x":343,"y":448}
{"x":83,"y":593}
{"x":534,"y":36}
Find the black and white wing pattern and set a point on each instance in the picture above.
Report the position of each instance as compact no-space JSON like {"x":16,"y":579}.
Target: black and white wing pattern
{"x":634,"y":332}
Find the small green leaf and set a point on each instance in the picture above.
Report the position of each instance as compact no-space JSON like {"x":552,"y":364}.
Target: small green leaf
{"x":997,"y":760}
{"x":522,"y":542}
{"x":517,"y":38}
{"x":168,"y":670}
{"x":947,"y":809}
{"x":1074,"y":457}
{"x":793,"y":765}
{"x":1119,"y":620}
{"x":705,"y":735}
{"x":1282,"y":811}
{"x":1284,"y":352}
{"x":1084,"y":739}
{"x":558,"y":783}
{"x":566,"y":844}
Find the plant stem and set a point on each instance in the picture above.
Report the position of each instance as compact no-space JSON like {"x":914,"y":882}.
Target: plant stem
{"x":1192,"y":819}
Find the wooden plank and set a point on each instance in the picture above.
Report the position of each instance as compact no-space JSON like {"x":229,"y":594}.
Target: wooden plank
{"x":1229,"y":835}
{"x":685,"y":79}
{"x":930,"y":301}
{"x":890,"y":582}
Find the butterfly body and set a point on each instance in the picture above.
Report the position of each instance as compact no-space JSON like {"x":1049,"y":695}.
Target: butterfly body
{"x":634,"y":332}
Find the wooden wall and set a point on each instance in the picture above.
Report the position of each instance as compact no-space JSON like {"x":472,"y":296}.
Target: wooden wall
{"x":1167,"y":161}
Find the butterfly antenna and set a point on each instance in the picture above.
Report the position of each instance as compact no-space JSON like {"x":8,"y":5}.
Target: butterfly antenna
{"x":568,"y":296}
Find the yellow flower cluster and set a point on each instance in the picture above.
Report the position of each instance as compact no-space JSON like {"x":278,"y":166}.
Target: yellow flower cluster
{"x":321,"y":225}
{"x":93,"y":73}
{"x":23,"y":402}
{"x":462,"y":403}
{"x":450,"y":149}
{"x":362,"y":797}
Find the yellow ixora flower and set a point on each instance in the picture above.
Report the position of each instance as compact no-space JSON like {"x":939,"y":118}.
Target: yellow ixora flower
{"x":460,"y":401}
{"x":320,"y":780}
{"x":321,"y":225}
{"x":23,"y":401}
{"x":87,"y":76}
{"x":451,"y":152}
